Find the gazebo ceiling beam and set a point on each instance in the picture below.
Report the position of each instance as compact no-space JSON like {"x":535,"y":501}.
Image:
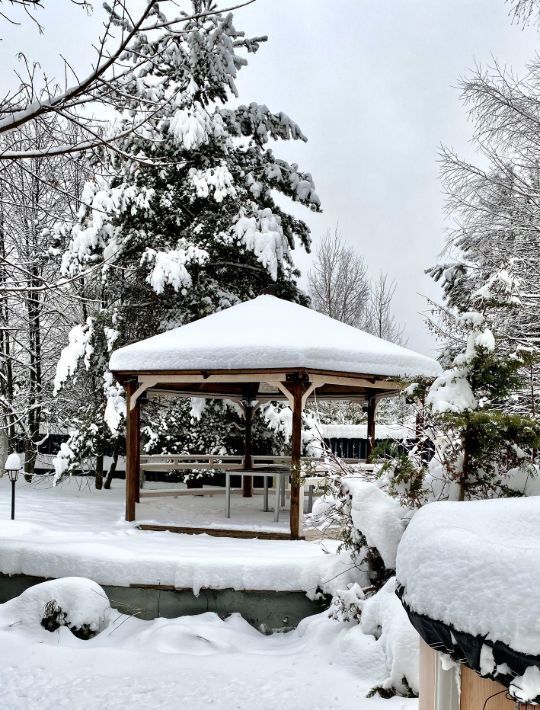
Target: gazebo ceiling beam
{"x":262,"y":397}
{"x":278,"y":379}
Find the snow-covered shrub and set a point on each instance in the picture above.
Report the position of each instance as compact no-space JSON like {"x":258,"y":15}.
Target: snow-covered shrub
{"x":369,"y":520}
{"x":384,"y":617}
{"x":347,"y":603}
{"x":381,"y":615}
{"x":75,"y":602}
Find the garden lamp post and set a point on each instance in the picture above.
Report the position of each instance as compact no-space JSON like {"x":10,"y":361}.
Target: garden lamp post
{"x":12,"y":468}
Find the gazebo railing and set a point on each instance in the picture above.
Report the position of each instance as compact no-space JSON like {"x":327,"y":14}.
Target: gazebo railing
{"x":187,"y":462}
{"x":226,"y":463}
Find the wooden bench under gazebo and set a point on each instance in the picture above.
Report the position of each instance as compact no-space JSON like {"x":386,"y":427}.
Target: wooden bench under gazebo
{"x":263,"y":350}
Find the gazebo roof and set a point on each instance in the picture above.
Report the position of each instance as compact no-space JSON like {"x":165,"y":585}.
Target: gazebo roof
{"x":268,"y":333}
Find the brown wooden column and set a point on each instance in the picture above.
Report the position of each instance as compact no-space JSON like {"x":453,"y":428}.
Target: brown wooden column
{"x":297,"y":390}
{"x":372,"y":405}
{"x":133,"y":451}
{"x":247,"y":481}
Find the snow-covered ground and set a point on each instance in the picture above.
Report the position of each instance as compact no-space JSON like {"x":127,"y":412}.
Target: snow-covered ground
{"x":195,"y":662}
{"x":75,"y":530}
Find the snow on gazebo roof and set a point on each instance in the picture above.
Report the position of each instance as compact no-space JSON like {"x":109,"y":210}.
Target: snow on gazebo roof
{"x":270,"y":333}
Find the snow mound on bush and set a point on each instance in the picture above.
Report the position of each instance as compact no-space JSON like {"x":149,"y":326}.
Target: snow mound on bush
{"x":76,"y":602}
{"x":200,"y":635}
{"x":378,"y":516}
{"x":384,"y":617}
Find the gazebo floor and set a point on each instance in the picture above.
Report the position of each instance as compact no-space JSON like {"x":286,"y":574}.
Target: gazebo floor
{"x":203,"y":511}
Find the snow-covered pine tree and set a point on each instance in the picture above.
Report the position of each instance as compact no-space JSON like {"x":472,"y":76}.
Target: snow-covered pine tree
{"x":482,"y":444}
{"x":484,"y":409}
{"x":480,"y":413}
{"x":185,"y":221}
{"x":492,"y":255}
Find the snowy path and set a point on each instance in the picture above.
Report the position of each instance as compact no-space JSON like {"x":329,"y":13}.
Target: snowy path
{"x":75,"y":530}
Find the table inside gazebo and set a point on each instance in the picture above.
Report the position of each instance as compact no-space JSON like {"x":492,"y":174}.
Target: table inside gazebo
{"x":282,"y":473}
{"x":264,"y":466}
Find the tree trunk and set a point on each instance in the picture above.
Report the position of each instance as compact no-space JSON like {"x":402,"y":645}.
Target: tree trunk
{"x":99,"y":472}
{"x":371,"y":442}
{"x":29,"y":459}
{"x":112,"y":467}
{"x":463,"y":483}
{"x":247,"y":481}
{"x":4,"y":447}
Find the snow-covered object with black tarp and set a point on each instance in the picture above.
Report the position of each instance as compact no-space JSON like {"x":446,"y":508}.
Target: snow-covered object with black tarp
{"x":468,"y":577}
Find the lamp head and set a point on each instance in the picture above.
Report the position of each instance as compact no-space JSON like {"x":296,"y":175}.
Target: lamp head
{"x":12,"y":466}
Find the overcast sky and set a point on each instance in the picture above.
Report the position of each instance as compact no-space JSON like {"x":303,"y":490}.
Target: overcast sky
{"x":372,"y":84}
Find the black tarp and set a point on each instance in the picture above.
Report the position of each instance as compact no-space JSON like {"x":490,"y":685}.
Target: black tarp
{"x":465,"y":648}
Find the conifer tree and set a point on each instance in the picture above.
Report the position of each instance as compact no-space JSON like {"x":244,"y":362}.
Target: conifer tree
{"x":482,"y":443}
{"x":184,"y":221}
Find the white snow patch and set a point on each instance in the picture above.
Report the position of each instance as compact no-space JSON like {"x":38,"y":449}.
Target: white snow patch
{"x":115,"y":409}
{"x":61,"y":461}
{"x":197,"y":407}
{"x":263,"y":235}
{"x":378,"y":516}
{"x":451,"y":392}
{"x":526,"y":687}
{"x":359,"y":431}
{"x":384,"y":616}
{"x":83,"y":602}
{"x":190,"y":127}
{"x":13,"y":463}
{"x":169,"y":267}
{"x":217,"y":181}
{"x":78,"y":347}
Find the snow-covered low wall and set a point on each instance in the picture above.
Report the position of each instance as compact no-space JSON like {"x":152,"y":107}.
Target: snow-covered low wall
{"x":77,"y":531}
{"x":266,"y":611}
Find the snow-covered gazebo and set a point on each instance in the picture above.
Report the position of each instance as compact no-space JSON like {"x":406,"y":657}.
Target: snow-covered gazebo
{"x":263,"y":350}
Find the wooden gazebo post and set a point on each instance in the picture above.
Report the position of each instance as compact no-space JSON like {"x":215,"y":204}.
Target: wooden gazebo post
{"x":133,"y":450}
{"x":250,"y":392}
{"x":370,"y":444}
{"x":296,"y":388}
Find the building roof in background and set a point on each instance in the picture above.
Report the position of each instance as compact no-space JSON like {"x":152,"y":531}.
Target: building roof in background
{"x":359,"y":431}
